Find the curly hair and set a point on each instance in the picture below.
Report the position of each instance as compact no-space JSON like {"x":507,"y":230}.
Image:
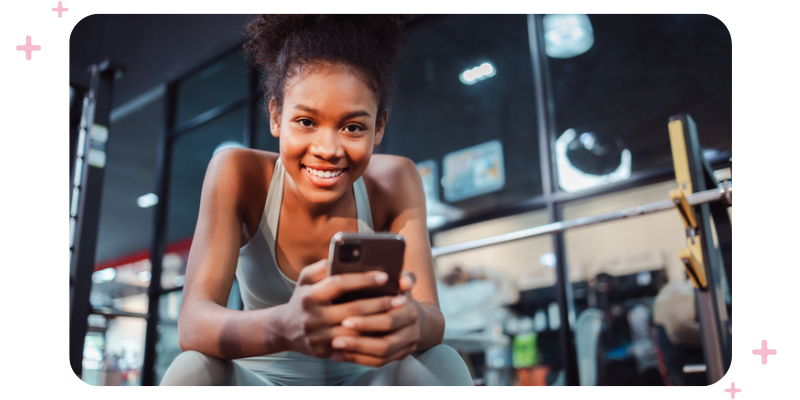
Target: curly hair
{"x":282,"y":45}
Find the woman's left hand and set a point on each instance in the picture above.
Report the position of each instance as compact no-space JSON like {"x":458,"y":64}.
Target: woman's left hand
{"x":396,"y":332}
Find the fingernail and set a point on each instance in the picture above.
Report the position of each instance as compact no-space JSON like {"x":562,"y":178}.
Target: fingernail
{"x":339,"y":344}
{"x":398,"y":301}
{"x":381,"y":277}
{"x":348,"y":323}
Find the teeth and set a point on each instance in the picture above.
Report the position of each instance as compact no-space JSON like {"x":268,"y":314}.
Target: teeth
{"x":324,"y":174}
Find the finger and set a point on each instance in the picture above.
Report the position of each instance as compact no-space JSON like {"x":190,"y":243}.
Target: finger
{"x":369,"y":360}
{"x":319,"y":341}
{"x":334,"y":314}
{"x":407,"y":281}
{"x":334,"y":286}
{"x":383,"y":346}
{"x":313,"y":273}
{"x":323,"y":337}
{"x":383,"y":322}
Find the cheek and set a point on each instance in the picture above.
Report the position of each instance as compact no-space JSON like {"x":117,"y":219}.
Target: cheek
{"x":360,"y":152}
{"x":292,"y":145}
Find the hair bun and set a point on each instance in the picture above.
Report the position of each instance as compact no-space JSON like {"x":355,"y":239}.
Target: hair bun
{"x":369,"y":43}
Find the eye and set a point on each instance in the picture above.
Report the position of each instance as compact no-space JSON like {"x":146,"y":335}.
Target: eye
{"x":305,"y":122}
{"x":353,"y":128}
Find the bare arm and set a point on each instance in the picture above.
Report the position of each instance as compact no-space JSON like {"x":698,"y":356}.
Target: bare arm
{"x":411,"y":222}
{"x":205,"y":324}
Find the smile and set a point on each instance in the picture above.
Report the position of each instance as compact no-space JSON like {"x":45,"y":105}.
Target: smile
{"x":324,"y":174}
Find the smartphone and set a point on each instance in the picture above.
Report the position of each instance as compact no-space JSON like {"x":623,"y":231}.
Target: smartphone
{"x":361,"y":252}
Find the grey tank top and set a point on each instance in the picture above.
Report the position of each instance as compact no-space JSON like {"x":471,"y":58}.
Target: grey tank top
{"x":262,"y":284}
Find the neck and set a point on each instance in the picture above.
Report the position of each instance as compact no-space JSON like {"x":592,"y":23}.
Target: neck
{"x":299,"y":206}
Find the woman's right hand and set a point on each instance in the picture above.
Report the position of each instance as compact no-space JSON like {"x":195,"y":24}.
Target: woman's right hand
{"x":309,"y":320}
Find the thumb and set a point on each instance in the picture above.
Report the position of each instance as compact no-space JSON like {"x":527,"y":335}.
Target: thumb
{"x":407,"y":280}
{"x":313,"y":273}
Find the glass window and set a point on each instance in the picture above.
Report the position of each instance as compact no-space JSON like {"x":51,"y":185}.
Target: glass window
{"x":499,"y":303}
{"x":626,"y":264}
{"x":225,"y":81}
{"x":464,"y":81}
{"x":113,"y":351}
{"x":190,"y":155}
{"x":125,"y":227}
{"x":614,"y":100}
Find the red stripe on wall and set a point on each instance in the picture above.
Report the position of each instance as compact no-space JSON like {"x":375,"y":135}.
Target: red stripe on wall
{"x":178,"y":246}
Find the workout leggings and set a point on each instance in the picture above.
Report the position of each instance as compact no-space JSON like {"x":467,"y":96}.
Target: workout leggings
{"x":438,"y":366}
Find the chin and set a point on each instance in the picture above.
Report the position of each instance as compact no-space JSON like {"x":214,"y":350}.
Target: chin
{"x":323,"y":198}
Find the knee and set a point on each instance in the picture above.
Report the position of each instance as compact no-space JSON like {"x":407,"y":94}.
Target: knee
{"x":444,"y":351}
{"x":447,"y":365}
{"x":192,"y":368}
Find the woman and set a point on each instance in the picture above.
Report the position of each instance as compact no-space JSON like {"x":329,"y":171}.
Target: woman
{"x":268,"y":218}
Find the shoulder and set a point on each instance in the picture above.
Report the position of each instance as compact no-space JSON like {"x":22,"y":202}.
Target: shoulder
{"x":239,"y":171}
{"x":391,"y":173}
{"x":241,"y":159}
{"x":394,"y":185}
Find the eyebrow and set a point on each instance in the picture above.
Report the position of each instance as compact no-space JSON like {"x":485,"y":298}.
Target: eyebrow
{"x":353,"y":114}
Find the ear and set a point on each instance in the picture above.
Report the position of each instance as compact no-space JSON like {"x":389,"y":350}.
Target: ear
{"x":380,"y":126}
{"x":274,"y":118}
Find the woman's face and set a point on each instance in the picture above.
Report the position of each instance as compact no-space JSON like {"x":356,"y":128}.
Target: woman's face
{"x":327,"y":127}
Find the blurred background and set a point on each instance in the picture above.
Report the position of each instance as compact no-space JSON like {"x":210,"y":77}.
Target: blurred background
{"x":514,"y":121}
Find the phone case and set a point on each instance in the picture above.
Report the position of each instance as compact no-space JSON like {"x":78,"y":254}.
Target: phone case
{"x":377,"y":252}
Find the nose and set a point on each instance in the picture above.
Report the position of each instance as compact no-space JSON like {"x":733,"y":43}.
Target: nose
{"x":327,"y":145}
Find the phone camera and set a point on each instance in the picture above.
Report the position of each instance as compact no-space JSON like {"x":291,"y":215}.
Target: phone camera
{"x":350,"y":253}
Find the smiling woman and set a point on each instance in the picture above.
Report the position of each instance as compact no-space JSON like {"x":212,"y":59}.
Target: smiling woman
{"x":327,"y":94}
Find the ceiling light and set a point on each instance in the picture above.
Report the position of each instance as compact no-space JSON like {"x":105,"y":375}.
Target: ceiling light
{"x":567,"y":35}
{"x":147,"y":200}
{"x":477,"y":74}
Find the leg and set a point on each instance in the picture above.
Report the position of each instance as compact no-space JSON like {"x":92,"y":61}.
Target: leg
{"x":192,"y":368}
{"x":439,"y":366}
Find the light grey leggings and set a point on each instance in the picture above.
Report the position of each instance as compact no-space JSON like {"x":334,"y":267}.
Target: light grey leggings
{"x":438,"y":366}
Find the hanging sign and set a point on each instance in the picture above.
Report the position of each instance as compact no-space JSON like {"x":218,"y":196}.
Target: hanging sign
{"x":473,"y":171}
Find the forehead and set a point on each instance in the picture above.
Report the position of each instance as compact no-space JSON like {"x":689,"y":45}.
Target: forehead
{"x":326,"y":85}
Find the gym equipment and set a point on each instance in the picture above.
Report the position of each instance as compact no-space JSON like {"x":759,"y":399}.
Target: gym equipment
{"x":87,"y":186}
{"x":700,"y":201}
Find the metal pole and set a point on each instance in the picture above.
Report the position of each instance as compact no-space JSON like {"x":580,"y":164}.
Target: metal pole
{"x":544,"y":115}
{"x":707,"y":196}
{"x":159,"y":239}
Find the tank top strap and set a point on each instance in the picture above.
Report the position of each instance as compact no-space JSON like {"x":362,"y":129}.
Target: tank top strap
{"x":272,"y":207}
{"x":363,"y":212}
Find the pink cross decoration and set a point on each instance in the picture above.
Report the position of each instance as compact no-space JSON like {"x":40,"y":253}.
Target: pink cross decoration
{"x":733,"y":390}
{"x":60,"y":9}
{"x":28,"y":48}
{"x":764,"y":352}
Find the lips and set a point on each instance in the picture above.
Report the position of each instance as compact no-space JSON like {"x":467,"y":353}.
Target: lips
{"x":324,"y":176}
